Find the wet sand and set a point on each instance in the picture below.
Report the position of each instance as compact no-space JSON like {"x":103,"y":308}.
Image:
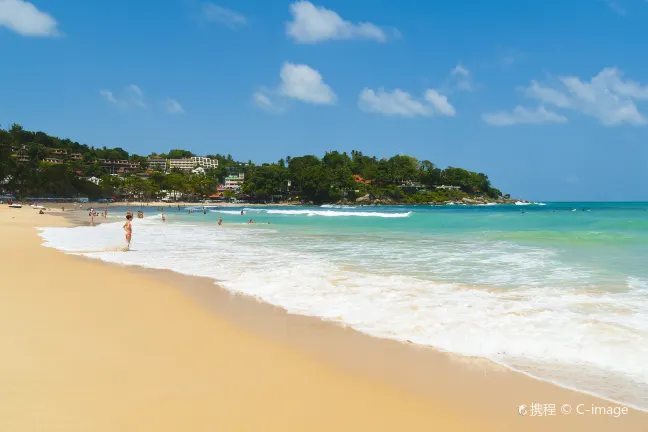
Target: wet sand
{"x":92,"y":346}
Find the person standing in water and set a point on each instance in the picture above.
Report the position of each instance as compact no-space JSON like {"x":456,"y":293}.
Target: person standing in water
{"x":220,"y":221}
{"x":129,"y":230}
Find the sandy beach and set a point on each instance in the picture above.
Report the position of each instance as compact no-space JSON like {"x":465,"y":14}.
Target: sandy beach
{"x":88,"y":346}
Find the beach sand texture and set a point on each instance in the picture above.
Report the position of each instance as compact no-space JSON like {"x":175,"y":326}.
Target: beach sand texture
{"x":87,"y":346}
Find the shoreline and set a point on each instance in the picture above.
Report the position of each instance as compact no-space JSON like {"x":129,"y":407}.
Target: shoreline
{"x":448,"y":382}
{"x":144,"y":204}
{"x":214,"y":296}
{"x":206,"y":298}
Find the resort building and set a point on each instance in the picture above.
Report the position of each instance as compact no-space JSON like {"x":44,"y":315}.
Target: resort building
{"x":183,"y":164}
{"x":53,"y":160}
{"x":193,"y":162}
{"x":76,"y":156}
{"x":205,"y":162}
{"x":234,"y":182}
{"x":444,"y":187}
{"x":118,"y":166}
{"x":58,"y":151}
{"x":157,"y":164}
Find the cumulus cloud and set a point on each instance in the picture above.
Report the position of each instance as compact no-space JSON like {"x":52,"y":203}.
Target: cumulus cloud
{"x":132,"y":96}
{"x":440,"y":103}
{"x":301,"y":82}
{"x":522,"y":115}
{"x":298,"y":81}
{"x":172,"y":106}
{"x":312,"y":24}
{"x":25,"y":19}
{"x":400,"y":103}
{"x":547,"y":95}
{"x":608,"y":97}
{"x":223,"y":16}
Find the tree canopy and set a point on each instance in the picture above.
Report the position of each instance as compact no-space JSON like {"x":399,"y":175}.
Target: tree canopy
{"x":36,"y":164}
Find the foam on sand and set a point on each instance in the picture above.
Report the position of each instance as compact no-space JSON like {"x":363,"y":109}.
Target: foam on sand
{"x":382,"y":293}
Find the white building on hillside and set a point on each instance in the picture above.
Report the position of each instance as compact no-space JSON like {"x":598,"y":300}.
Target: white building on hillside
{"x":193,"y":162}
{"x":234,"y":182}
{"x":183,"y":164}
{"x":157,"y":164}
{"x":205,"y":162}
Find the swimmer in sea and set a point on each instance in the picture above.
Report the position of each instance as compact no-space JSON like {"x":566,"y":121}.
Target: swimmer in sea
{"x":129,"y":230}
{"x":251,"y":222}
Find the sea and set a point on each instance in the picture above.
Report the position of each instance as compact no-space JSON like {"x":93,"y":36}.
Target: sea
{"x":558,"y":291}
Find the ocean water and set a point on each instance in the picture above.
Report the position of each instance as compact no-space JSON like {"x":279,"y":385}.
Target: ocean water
{"x":556,"y":290}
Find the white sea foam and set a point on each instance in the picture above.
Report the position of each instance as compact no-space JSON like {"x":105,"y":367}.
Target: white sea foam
{"x":337,"y":206}
{"x":519,"y":306}
{"x":333,"y":213}
{"x":233,"y":212}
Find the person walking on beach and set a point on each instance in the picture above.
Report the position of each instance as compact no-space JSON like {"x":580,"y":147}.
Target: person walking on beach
{"x":105,"y":211}
{"x":129,"y":230}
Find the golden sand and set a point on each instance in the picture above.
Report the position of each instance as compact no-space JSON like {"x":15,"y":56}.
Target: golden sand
{"x":86,"y":346}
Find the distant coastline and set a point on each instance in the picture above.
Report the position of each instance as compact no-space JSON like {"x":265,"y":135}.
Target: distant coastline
{"x":37,"y":166}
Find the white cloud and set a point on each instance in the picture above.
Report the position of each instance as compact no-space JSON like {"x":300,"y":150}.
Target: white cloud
{"x":264,"y":102}
{"x":463,"y":80}
{"x":607,"y":97}
{"x":440,"y":103}
{"x":132,"y":96}
{"x":25,"y":19}
{"x":298,"y":81}
{"x":547,"y":95}
{"x":108,"y":95}
{"x":312,"y":24}
{"x":172,"y":106}
{"x":401,"y":103}
{"x":522,"y":115}
{"x":221,"y":15}
{"x":304,"y":83}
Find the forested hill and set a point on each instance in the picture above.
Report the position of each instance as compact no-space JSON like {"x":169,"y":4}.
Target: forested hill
{"x":37,"y":164}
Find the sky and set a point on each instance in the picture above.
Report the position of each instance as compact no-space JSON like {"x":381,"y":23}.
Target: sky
{"x":549,"y":99}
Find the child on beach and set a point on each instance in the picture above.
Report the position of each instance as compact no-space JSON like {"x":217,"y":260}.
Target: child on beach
{"x":129,"y":230}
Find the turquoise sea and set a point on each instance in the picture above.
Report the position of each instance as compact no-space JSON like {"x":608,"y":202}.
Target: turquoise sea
{"x":556,"y":290}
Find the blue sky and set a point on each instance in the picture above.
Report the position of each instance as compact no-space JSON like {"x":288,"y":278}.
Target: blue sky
{"x":550,"y":99}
